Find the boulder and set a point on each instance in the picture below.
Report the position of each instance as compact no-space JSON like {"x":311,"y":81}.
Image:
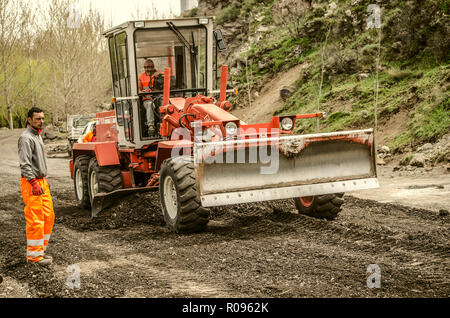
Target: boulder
{"x":418,"y":160}
{"x":384,"y":149}
{"x":381,"y":162}
{"x":362,"y":76}
{"x":286,"y":92}
{"x":49,"y":135}
{"x":425,"y":147}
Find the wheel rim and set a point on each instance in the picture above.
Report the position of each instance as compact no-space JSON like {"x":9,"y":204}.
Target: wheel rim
{"x":170,"y":198}
{"x":94,"y":184}
{"x":307,"y":201}
{"x":79,"y":184}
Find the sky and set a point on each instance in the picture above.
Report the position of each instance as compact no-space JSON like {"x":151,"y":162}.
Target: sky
{"x":119,"y":11}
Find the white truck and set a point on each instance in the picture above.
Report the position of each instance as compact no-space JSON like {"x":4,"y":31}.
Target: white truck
{"x":75,"y":127}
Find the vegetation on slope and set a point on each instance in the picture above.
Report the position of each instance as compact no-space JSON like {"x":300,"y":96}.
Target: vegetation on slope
{"x":332,"y":36}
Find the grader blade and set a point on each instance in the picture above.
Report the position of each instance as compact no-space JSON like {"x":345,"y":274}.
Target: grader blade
{"x":103,"y":201}
{"x":252,"y":170}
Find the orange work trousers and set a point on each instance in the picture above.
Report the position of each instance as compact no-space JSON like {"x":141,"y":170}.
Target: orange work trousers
{"x":39,"y":216}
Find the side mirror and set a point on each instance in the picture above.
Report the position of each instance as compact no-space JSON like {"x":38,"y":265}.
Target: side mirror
{"x":220,"y":41}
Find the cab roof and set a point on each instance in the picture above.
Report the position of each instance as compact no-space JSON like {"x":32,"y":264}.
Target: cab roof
{"x":157,"y":23}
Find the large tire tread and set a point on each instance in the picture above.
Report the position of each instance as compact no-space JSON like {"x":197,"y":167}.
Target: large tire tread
{"x":83,"y":163}
{"x":192,"y":217}
{"x":109,"y":177}
{"x":325,"y":206}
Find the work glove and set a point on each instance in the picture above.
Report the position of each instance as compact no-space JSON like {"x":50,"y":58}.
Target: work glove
{"x":36,"y":188}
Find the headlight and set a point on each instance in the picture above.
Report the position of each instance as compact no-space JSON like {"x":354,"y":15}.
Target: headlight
{"x":231,"y":128}
{"x":287,"y":123}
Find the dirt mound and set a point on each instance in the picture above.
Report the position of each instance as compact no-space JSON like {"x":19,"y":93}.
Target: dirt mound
{"x":135,"y":209}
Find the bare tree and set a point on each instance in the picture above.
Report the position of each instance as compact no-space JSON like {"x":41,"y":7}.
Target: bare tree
{"x":12,"y":23}
{"x":291,"y":13}
{"x":141,"y":13}
{"x":32,"y":46}
{"x":78,"y":59}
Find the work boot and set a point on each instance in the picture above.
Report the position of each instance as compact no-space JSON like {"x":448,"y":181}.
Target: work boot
{"x":48,"y":257}
{"x":151,"y":130}
{"x":42,"y":262}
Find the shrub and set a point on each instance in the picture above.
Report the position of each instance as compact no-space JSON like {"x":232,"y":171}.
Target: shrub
{"x":227,"y":15}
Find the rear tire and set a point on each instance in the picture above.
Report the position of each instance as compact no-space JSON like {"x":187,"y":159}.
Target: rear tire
{"x":103,"y":179}
{"x":325,"y":206}
{"x":180,"y":203}
{"x":80,"y":180}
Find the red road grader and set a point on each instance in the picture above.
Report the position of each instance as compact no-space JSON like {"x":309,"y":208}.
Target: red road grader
{"x":201,"y":155}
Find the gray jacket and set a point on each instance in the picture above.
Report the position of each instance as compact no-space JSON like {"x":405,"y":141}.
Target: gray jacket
{"x":33,"y":163}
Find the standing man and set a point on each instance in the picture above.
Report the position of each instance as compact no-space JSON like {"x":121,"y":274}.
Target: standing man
{"x":146,"y":82}
{"x":35,"y":190}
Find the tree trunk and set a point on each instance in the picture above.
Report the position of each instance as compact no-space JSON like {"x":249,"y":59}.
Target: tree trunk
{"x":10,"y":117}
{"x":30,"y":66}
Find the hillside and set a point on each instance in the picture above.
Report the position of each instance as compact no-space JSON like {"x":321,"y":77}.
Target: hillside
{"x":278,"y":43}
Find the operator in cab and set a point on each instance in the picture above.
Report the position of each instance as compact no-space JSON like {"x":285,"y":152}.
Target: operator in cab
{"x":146,"y":84}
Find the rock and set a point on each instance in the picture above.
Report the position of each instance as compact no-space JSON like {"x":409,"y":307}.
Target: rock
{"x":363,"y":76}
{"x":286,"y":92}
{"x":263,"y":65}
{"x":443,"y":212}
{"x":383,"y":150}
{"x":425,"y":147}
{"x":49,"y":135}
{"x":263,"y":29}
{"x":331,"y":9}
{"x":380,"y":162}
{"x":418,"y":160}
{"x":416,"y":263}
{"x":396,"y":45}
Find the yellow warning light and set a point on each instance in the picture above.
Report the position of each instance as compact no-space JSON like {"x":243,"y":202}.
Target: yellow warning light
{"x":235,"y":91}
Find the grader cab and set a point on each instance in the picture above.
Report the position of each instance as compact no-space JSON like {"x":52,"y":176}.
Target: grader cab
{"x":201,"y":155}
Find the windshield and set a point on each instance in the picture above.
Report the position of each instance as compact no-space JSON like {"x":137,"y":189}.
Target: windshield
{"x":81,"y":122}
{"x":184,"y":54}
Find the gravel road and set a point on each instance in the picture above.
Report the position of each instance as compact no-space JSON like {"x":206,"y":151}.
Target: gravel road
{"x":250,"y":250}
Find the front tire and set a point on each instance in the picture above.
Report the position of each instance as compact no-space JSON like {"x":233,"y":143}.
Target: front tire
{"x":103,"y":179}
{"x":325,"y":206}
{"x":80,"y":180}
{"x":180,"y":204}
